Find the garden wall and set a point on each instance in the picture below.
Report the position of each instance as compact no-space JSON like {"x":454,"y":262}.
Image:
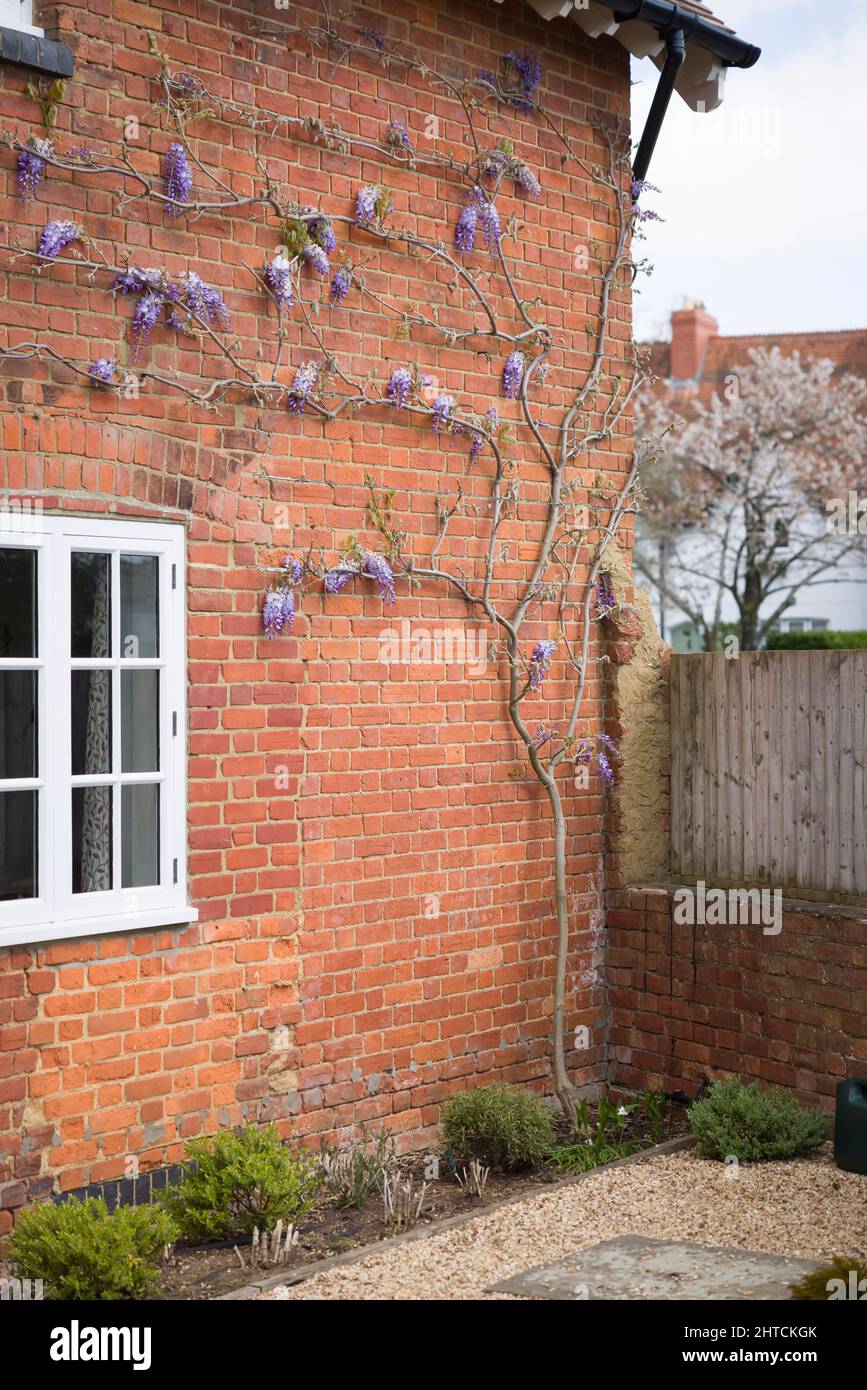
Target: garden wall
{"x":691,"y":1002}
{"x":368,"y":856}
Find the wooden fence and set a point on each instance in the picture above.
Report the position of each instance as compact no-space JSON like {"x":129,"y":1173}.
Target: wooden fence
{"x":767,"y":772}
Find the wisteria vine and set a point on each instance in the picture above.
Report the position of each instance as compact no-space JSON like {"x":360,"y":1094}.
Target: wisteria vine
{"x":570,"y":572}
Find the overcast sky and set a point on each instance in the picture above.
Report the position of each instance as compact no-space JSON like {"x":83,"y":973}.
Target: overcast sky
{"x":765,"y":200}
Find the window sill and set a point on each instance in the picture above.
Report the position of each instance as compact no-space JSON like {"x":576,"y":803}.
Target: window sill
{"x":44,"y":934}
{"x":30,"y":49}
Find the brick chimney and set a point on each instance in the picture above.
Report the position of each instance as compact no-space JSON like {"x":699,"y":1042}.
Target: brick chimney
{"x":691,"y":328}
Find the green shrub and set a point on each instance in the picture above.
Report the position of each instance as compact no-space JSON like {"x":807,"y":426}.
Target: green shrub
{"x":240,"y":1179}
{"x":852,"y":1277}
{"x":583,"y":1157}
{"x":83,"y":1251}
{"x":503,"y":1128}
{"x":351,"y":1172}
{"x":816,"y":641}
{"x":753,"y":1125}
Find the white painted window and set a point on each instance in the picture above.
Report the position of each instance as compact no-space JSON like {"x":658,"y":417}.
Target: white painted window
{"x":18,"y":14}
{"x":92,"y":728}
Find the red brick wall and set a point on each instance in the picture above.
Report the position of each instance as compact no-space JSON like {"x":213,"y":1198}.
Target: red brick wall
{"x":399,"y":783}
{"x":691,"y":1003}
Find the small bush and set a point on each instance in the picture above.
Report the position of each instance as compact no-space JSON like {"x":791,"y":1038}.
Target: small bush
{"x":83,"y":1251}
{"x":241,"y":1179}
{"x":755,"y":1125}
{"x":847,"y":1278}
{"x":351,"y":1172}
{"x":503,"y":1128}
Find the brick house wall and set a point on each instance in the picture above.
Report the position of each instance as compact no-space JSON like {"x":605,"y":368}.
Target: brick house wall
{"x":332,"y":799}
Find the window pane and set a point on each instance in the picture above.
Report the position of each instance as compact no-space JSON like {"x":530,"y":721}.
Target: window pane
{"x":139,"y":721}
{"x":91,"y":839}
{"x":91,"y":722}
{"x":18,"y":845}
{"x":17,"y":724}
{"x":91,"y":604}
{"x":139,"y":607}
{"x":17,"y":602}
{"x":140,"y":835}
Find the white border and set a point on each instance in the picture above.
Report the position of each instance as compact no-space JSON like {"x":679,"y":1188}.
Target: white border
{"x":58,"y":913}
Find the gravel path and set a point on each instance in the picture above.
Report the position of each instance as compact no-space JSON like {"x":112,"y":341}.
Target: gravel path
{"x":807,"y":1208}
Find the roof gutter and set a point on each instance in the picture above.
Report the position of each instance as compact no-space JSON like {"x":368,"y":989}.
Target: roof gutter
{"x":667,"y":17}
{"x":677,"y":26}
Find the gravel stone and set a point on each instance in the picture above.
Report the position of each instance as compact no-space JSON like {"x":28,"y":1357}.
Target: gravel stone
{"x":804,"y":1207}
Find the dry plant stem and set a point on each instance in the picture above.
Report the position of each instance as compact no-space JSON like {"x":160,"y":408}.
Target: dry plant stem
{"x":584,"y":425}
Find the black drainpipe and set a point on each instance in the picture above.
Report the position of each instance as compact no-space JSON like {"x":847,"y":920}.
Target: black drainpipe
{"x":677,"y":25}
{"x":675,"y":54}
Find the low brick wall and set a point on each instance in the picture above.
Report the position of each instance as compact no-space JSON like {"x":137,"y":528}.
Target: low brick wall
{"x":689,"y":1003}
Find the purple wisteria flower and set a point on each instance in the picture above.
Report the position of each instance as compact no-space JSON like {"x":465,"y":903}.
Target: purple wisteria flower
{"x":605,"y":601}
{"x":375,"y":566}
{"x":322,"y":232}
{"x":278,"y":611}
{"x":373,"y":36}
{"x":465,"y":230}
{"x":477,"y":443}
{"x":188,"y":85}
{"x":606,"y":771}
{"x":542,"y":736}
{"x":526,"y":180}
{"x":608,"y":742}
{"x":442,"y":412}
{"x":306,"y":377}
{"x":366,"y":200}
{"x":540,"y":662}
{"x":316,"y":257}
{"x":513,"y":375}
{"x":398,"y":137}
{"x":205,"y":302}
{"x":101,"y":371}
{"x":278,"y":274}
{"x":400,"y":386}
{"x":56,"y":235}
{"x":341,"y":284}
{"x":338,"y":578}
{"x":145,"y":315}
{"x":495,"y":163}
{"x":638,"y":187}
{"x":490,"y":225}
{"x":294,"y":569}
{"x":524,"y":71}
{"x":31,"y":167}
{"x":177,"y":179}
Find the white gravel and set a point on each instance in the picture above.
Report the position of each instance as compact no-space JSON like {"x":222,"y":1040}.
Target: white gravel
{"x":805,"y":1207}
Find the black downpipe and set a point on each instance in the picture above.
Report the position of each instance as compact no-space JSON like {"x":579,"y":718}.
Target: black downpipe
{"x":674,"y":59}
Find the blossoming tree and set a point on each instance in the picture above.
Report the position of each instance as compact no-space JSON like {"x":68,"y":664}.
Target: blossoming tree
{"x":312,"y":272}
{"x":740,"y":496}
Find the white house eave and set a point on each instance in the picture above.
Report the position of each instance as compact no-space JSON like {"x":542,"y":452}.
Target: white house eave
{"x":701,"y":81}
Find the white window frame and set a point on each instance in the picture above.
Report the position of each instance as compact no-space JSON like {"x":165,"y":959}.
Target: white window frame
{"x":18,"y":14}
{"x":58,"y":913}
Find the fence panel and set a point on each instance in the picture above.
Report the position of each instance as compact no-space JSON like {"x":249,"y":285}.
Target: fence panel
{"x":767,"y":771}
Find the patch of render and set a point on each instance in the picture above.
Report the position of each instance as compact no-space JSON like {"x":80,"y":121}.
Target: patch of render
{"x":642,"y":843}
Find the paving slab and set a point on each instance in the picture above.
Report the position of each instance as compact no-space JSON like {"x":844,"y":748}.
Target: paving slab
{"x":640,"y":1267}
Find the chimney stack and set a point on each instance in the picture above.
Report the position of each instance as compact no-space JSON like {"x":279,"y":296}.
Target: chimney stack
{"x":691,"y":328}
